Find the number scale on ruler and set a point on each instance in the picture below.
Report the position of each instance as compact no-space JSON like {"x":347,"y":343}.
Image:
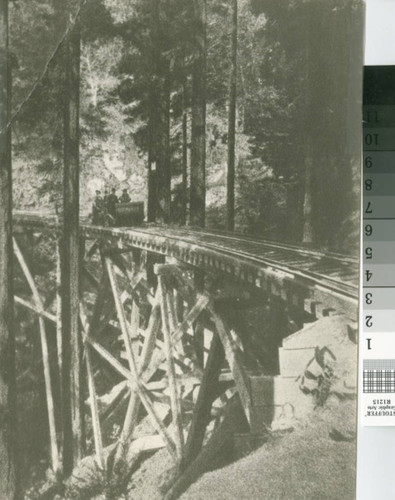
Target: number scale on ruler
{"x":378,"y":254}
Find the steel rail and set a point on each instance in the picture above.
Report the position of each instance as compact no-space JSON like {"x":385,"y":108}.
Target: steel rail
{"x":237,"y":236}
{"x":281,"y":265}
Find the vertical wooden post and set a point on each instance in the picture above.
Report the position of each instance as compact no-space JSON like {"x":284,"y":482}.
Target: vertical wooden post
{"x":198,"y":328}
{"x":59,"y":315}
{"x":136,"y":261}
{"x":150,"y":334}
{"x":97,"y":435}
{"x":72,"y":369}
{"x":230,"y":187}
{"x":207,"y":393}
{"x":179,"y":307}
{"x":151,"y":260}
{"x":7,"y":342}
{"x":174,"y":398}
{"x":277,"y":331}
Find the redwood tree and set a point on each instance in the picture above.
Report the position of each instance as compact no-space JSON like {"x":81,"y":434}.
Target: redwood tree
{"x":198,"y":132}
{"x":7,"y":341}
{"x":230,"y":187}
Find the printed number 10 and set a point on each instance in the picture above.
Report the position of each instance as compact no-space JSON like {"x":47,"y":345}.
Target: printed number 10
{"x":372,"y":139}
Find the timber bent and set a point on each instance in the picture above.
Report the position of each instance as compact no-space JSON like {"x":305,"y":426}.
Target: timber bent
{"x":157,"y":306}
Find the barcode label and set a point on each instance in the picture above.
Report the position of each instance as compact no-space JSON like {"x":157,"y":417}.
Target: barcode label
{"x":379,"y":381}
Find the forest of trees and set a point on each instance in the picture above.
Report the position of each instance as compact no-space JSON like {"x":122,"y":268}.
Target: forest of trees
{"x":224,"y":114}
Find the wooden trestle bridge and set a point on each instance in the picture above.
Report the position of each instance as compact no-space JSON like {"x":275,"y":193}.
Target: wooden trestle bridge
{"x":152,"y":310}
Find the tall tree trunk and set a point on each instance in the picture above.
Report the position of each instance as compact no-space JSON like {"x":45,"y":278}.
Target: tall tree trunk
{"x":151,"y":203}
{"x":163,"y":166}
{"x":311,"y":107}
{"x":184,"y":152}
{"x":72,"y":369}
{"x":230,"y":185}
{"x":198,"y":135}
{"x":8,"y":481}
{"x":307,"y":202}
{"x":159,"y":123}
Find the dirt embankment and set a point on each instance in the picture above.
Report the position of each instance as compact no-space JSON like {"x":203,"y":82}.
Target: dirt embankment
{"x":306,"y":464}
{"x":314,"y":461}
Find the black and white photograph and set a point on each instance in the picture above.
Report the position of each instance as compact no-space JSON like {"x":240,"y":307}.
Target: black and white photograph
{"x":180,"y":187}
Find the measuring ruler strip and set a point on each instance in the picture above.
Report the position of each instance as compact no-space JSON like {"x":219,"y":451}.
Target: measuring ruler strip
{"x":377,"y":331}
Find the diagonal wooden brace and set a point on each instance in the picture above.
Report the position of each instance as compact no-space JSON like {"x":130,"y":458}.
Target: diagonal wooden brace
{"x":139,"y":387}
{"x":44,"y":348}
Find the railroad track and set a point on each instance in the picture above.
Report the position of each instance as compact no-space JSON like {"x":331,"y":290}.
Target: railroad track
{"x":339,"y":269}
{"x":265,"y":264}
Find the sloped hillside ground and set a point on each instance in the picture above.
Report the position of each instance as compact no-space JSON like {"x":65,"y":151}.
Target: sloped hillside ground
{"x":313,"y":461}
{"x":306,"y":463}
